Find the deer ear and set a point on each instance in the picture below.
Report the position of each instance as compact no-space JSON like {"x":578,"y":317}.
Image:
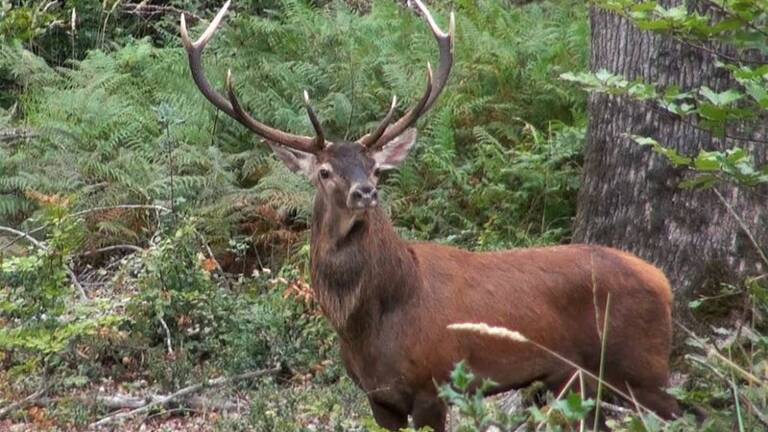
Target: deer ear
{"x":296,"y":161}
{"x":394,"y":152}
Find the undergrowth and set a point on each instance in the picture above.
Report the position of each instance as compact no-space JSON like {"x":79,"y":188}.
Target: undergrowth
{"x":140,"y":226}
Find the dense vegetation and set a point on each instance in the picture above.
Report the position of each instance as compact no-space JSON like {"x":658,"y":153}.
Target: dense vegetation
{"x":148,"y":243}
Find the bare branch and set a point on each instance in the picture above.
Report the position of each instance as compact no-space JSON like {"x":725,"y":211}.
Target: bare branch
{"x":743,"y":227}
{"x":160,"y":401}
{"x":167,"y":335}
{"x":20,"y":234}
{"x":112,"y":248}
{"x":144,"y":9}
{"x":24,"y":402}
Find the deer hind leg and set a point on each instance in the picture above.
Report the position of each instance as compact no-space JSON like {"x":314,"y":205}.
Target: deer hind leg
{"x":388,"y":417}
{"x":429,"y":410}
{"x":658,"y":401}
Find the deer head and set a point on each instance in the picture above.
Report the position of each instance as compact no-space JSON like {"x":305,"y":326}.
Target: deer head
{"x":346,"y":173}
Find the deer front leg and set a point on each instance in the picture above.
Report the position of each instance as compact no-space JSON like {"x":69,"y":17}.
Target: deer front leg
{"x":429,"y":410}
{"x":388,"y":417}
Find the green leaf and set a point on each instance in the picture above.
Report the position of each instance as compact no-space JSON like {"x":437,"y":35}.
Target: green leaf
{"x":713,"y":113}
{"x":720,"y":99}
{"x":672,"y":155}
{"x":707,"y":161}
{"x":700,"y":182}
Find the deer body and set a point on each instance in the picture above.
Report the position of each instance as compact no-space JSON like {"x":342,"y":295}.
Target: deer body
{"x":391,"y":302}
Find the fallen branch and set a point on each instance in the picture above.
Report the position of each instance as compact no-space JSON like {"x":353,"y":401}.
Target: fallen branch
{"x":160,"y":401}
{"x":119,"y":401}
{"x":112,"y":248}
{"x":743,"y":226}
{"x":147,"y":9}
{"x":37,"y":243}
{"x":76,"y":283}
{"x":167,"y":335}
{"x":122,"y":206}
{"x":22,"y":235}
{"x":29,"y":400}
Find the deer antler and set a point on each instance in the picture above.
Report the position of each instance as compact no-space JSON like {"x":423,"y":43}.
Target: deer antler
{"x":386,"y":132}
{"x":232,"y":106}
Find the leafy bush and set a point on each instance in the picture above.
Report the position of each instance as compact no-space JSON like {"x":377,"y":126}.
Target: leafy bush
{"x":112,"y":160}
{"x":114,"y":126}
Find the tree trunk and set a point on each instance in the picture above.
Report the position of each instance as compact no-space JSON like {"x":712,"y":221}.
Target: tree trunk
{"x":630,"y":198}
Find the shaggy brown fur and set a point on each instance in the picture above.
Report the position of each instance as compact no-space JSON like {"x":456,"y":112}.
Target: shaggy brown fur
{"x":391,"y":301}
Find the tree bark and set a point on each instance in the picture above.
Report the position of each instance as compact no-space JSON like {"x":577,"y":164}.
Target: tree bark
{"x":630,"y":198}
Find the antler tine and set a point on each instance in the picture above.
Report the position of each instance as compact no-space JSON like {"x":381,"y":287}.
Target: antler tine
{"x":368,"y":140}
{"x":232,"y":106}
{"x":319,"y":136}
{"x":406,"y":121}
{"x":445,"y":45}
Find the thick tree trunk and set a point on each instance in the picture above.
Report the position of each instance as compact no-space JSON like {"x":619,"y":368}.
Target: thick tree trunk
{"x":630,"y":197}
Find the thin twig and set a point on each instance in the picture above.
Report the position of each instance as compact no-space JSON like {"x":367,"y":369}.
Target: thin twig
{"x":518,"y":337}
{"x":685,"y":120}
{"x":743,"y":226}
{"x":714,"y":52}
{"x":121,"y":206}
{"x":23,"y":235}
{"x":582,"y":423}
{"x":24,"y":402}
{"x":637,"y":407}
{"x":40,"y":245}
{"x":76,"y":283}
{"x":112,"y":248}
{"x":167,"y":335}
{"x":602,"y":361}
{"x":746,"y":22}
{"x":560,"y":395}
{"x":594,"y":295}
{"x":759,"y":414}
{"x":711,"y":349}
{"x":148,"y":9}
{"x":163,"y":400}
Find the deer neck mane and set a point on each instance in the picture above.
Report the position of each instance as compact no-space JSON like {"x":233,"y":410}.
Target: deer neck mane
{"x":361,"y":269}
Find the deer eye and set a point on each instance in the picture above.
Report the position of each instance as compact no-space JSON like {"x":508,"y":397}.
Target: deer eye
{"x":376,"y":172}
{"x":324,"y":173}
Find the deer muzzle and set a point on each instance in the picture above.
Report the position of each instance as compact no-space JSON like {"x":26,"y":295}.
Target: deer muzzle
{"x":362,"y":196}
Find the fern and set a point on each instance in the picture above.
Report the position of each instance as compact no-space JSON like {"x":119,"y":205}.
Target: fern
{"x":114,"y":125}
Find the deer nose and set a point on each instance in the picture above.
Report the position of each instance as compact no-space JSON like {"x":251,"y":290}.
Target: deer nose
{"x":362,"y":196}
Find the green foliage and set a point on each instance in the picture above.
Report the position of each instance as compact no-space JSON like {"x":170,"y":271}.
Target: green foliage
{"x":104,"y":141}
{"x":336,"y":407}
{"x":738,"y":27}
{"x":111,"y":117}
{"x":734,"y":165}
{"x":742,"y":23}
{"x":39,"y":307}
{"x":478,"y":414}
{"x":245,"y":326}
{"x":464,"y":393}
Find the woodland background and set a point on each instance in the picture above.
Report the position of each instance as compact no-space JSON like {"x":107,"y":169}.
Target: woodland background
{"x":149,"y":243}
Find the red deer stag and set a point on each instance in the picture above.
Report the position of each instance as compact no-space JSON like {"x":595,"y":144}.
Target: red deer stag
{"x":391,"y":301}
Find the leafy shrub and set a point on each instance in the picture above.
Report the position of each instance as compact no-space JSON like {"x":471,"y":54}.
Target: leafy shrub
{"x":116,"y":120}
{"x":114,"y":125}
{"x":41,"y":311}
